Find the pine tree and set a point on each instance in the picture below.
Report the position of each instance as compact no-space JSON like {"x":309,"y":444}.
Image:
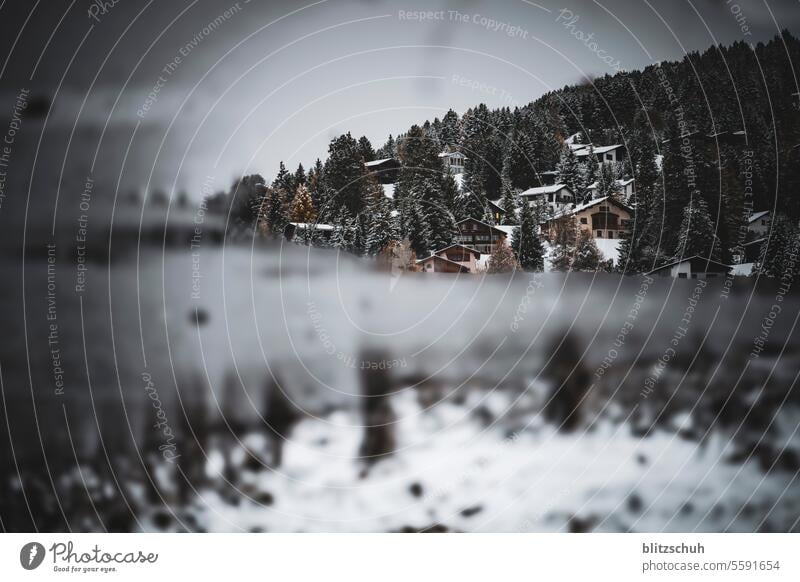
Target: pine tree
{"x":381,"y":227}
{"x":697,"y":233}
{"x":779,"y":252}
{"x":316,"y":185}
{"x":568,"y":171}
{"x":344,"y":175}
{"x":302,"y":208}
{"x":365,"y":148}
{"x":344,"y":231}
{"x":272,"y":215}
{"x":606,"y":181}
{"x":509,"y":199}
{"x":300,"y":176}
{"x":564,"y":243}
{"x":587,"y":256}
{"x":416,"y":227}
{"x":450,"y":131}
{"x":526,"y":243}
{"x":284,"y":183}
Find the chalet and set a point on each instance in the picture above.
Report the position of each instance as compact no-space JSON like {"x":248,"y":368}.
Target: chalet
{"x":558,"y":197}
{"x":300,"y":230}
{"x":758,"y":223}
{"x":605,"y":217}
{"x":437,"y":264}
{"x":453,"y":161}
{"x":610,"y":153}
{"x":386,"y":170}
{"x":496,"y":209}
{"x":456,"y":255}
{"x":548,"y":177}
{"x":478,"y":235}
{"x":695,"y":267}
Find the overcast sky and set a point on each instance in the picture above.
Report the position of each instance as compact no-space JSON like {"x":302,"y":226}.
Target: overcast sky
{"x":276,"y":80}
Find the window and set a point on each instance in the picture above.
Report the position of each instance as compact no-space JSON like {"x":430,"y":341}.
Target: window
{"x":610,"y":234}
{"x":609,"y":157}
{"x":583,"y":220}
{"x":763,"y":222}
{"x":681,"y":275}
{"x":599,"y":234}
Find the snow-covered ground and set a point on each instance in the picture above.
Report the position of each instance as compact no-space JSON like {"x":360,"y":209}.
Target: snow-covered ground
{"x":712,"y":446}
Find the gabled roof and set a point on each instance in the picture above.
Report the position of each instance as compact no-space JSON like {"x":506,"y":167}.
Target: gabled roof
{"x":586,"y":149}
{"x":581,"y":207}
{"x":470,"y":249}
{"x":479,"y":222}
{"x":541,"y":190}
{"x":756,"y":215}
{"x":314,"y":225}
{"x":696,"y":260}
{"x":379,"y":162}
{"x":448,"y":154}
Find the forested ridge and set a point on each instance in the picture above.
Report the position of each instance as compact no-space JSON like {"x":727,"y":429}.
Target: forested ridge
{"x":711,"y":138}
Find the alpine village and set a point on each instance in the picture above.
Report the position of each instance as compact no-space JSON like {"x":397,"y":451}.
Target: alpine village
{"x":632,"y":173}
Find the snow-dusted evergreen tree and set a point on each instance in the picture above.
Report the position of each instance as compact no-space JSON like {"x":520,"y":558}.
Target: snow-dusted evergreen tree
{"x":588,"y":174}
{"x":423,"y":181}
{"x":284,"y":183}
{"x":272,"y":215}
{"x":587,"y":256}
{"x":509,"y":198}
{"x":526,"y":243}
{"x":344,"y":231}
{"x":365,"y":148}
{"x":450,"y":132}
{"x":417,"y":228}
{"x":696,"y":235}
{"x":387,"y":150}
{"x":344,"y":174}
{"x":302,"y":208}
{"x":502,"y":260}
{"x":779,"y":252}
{"x":381,"y":227}
{"x":521,"y":154}
{"x":568,"y":171}
{"x":606,"y":181}
{"x":300,"y":176}
{"x":564,"y":242}
{"x":316,"y":185}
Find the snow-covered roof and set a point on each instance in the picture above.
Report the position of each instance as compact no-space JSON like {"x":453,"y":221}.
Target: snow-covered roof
{"x":378,"y":162}
{"x":452,"y":154}
{"x":584,"y":206}
{"x":540,"y":190}
{"x":696,"y":258}
{"x":756,"y":215}
{"x":596,"y":150}
{"x":314,"y":225}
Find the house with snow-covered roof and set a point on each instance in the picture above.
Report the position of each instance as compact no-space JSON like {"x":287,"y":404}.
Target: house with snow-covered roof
{"x":758,"y":222}
{"x":558,"y":197}
{"x":479,"y":235}
{"x":456,"y":258}
{"x":385,"y":170}
{"x":453,"y":161}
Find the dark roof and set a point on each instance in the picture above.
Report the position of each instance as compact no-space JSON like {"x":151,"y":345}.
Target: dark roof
{"x":479,"y":222}
{"x":470,"y":249}
{"x":699,"y":264}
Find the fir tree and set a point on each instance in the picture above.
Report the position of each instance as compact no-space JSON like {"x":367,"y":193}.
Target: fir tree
{"x":344,"y":175}
{"x":587,"y":256}
{"x":564,"y":243}
{"x":779,"y":253}
{"x":300,"y":176}
{"x":526,"y":243}
{"x":568,"y":171}
{"x":365,"y":148}
{"x":697,"y":233}
{"x":381,"y":227}
{"x":509,"y":199}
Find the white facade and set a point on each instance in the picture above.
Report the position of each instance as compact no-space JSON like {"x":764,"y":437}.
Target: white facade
{"x":453,"y":161}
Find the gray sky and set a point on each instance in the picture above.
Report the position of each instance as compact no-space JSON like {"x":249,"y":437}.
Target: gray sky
{"x":276,"y":80}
